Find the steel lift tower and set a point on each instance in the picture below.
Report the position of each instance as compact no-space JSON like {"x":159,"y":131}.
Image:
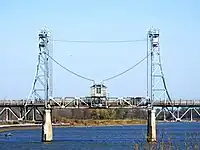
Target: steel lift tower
{"x":42,"y":86}
{"x":154,"y":86}
{"x":44,"y":55}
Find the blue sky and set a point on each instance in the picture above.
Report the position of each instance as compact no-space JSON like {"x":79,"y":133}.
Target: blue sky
{"x":178,"y":22}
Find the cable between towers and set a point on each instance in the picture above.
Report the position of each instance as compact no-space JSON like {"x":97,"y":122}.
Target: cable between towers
{"x":72,"y":72}
{"x":127,"y":70}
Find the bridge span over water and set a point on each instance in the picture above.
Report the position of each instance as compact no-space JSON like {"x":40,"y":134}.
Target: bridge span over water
{"x":41,"y":100}
{"x":21,"y":110}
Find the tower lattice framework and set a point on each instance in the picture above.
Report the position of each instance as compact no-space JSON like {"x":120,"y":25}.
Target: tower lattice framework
{"x":42,"y":85}
{"x":157,"y":89}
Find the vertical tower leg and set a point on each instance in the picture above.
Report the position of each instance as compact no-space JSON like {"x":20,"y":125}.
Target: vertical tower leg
{"x":164,"y":115}
{"x":178,"y":115}
{"x":25,"y":111}
{"x":191,"y":117}
{"x":47,"y":135}
{"x":33,"y":114}
{"x":20,"y":112}
{"x":151,"y":126}
{"x":7,"y":114}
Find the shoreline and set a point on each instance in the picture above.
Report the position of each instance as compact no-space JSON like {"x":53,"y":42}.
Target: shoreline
{"x":73,"y":123}
{"x":79,"y":123}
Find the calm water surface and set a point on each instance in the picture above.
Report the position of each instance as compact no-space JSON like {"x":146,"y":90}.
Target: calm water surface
{"x":171,"y":135}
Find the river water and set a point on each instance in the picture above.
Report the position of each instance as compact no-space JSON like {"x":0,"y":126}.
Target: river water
{"x":170,"y":136}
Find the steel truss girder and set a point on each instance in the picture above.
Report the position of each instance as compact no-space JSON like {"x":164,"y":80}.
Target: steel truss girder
{"x":9,"y":109}
{"x":191,"y":111}
{"x":34,"y":109}
{"x":164,"y":110}
{"x":177,"y":116}
{"x":122,"y":102}
{"x":75,"y":101}
{"x":18,"y":114}
{"x":80,"y":102}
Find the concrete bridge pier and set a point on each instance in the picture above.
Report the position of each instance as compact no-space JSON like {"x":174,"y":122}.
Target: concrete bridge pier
{"x":151,"y":126}
{"x":47,"y":134}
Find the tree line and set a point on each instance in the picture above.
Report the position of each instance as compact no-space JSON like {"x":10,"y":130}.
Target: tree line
{"x":99,"y":114}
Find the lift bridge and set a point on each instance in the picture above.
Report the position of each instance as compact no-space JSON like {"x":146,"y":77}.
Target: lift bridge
{"x":41,"y":96}
{"x":98,"y":98}
{"x":19,"y":110}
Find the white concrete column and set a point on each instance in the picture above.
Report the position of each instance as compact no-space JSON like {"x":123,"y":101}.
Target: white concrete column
{"x":33,"y":119}
{"x":7,"y":114}
{"x":25,"y":111}
{"x":178,"y":115}
{"x":151,"y":126}
{"x":164,"y":115}
{"x":47,"y":134}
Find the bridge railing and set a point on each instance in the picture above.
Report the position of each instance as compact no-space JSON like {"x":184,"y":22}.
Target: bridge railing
{"x":64,"y":100}
{"x":178,"y":103}
{"x":12,"y":102}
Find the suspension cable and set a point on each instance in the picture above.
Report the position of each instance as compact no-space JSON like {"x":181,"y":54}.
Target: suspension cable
{"x":76,"y":74}
{"x":127,"y":70}
{"x":108,"y":41}
{"x":163,"y":78}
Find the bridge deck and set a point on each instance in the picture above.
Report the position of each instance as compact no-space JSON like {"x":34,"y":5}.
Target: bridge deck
{"x":112,"y":103}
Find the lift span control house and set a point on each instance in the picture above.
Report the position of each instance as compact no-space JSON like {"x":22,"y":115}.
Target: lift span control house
{"x":98,"y":95}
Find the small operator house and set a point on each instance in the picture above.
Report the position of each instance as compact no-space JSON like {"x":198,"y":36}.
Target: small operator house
{"x":98,"y":91}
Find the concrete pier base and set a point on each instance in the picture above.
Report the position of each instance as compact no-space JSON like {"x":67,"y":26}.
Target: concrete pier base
{"x":151,"y":126}
{"x":47,"y":135}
